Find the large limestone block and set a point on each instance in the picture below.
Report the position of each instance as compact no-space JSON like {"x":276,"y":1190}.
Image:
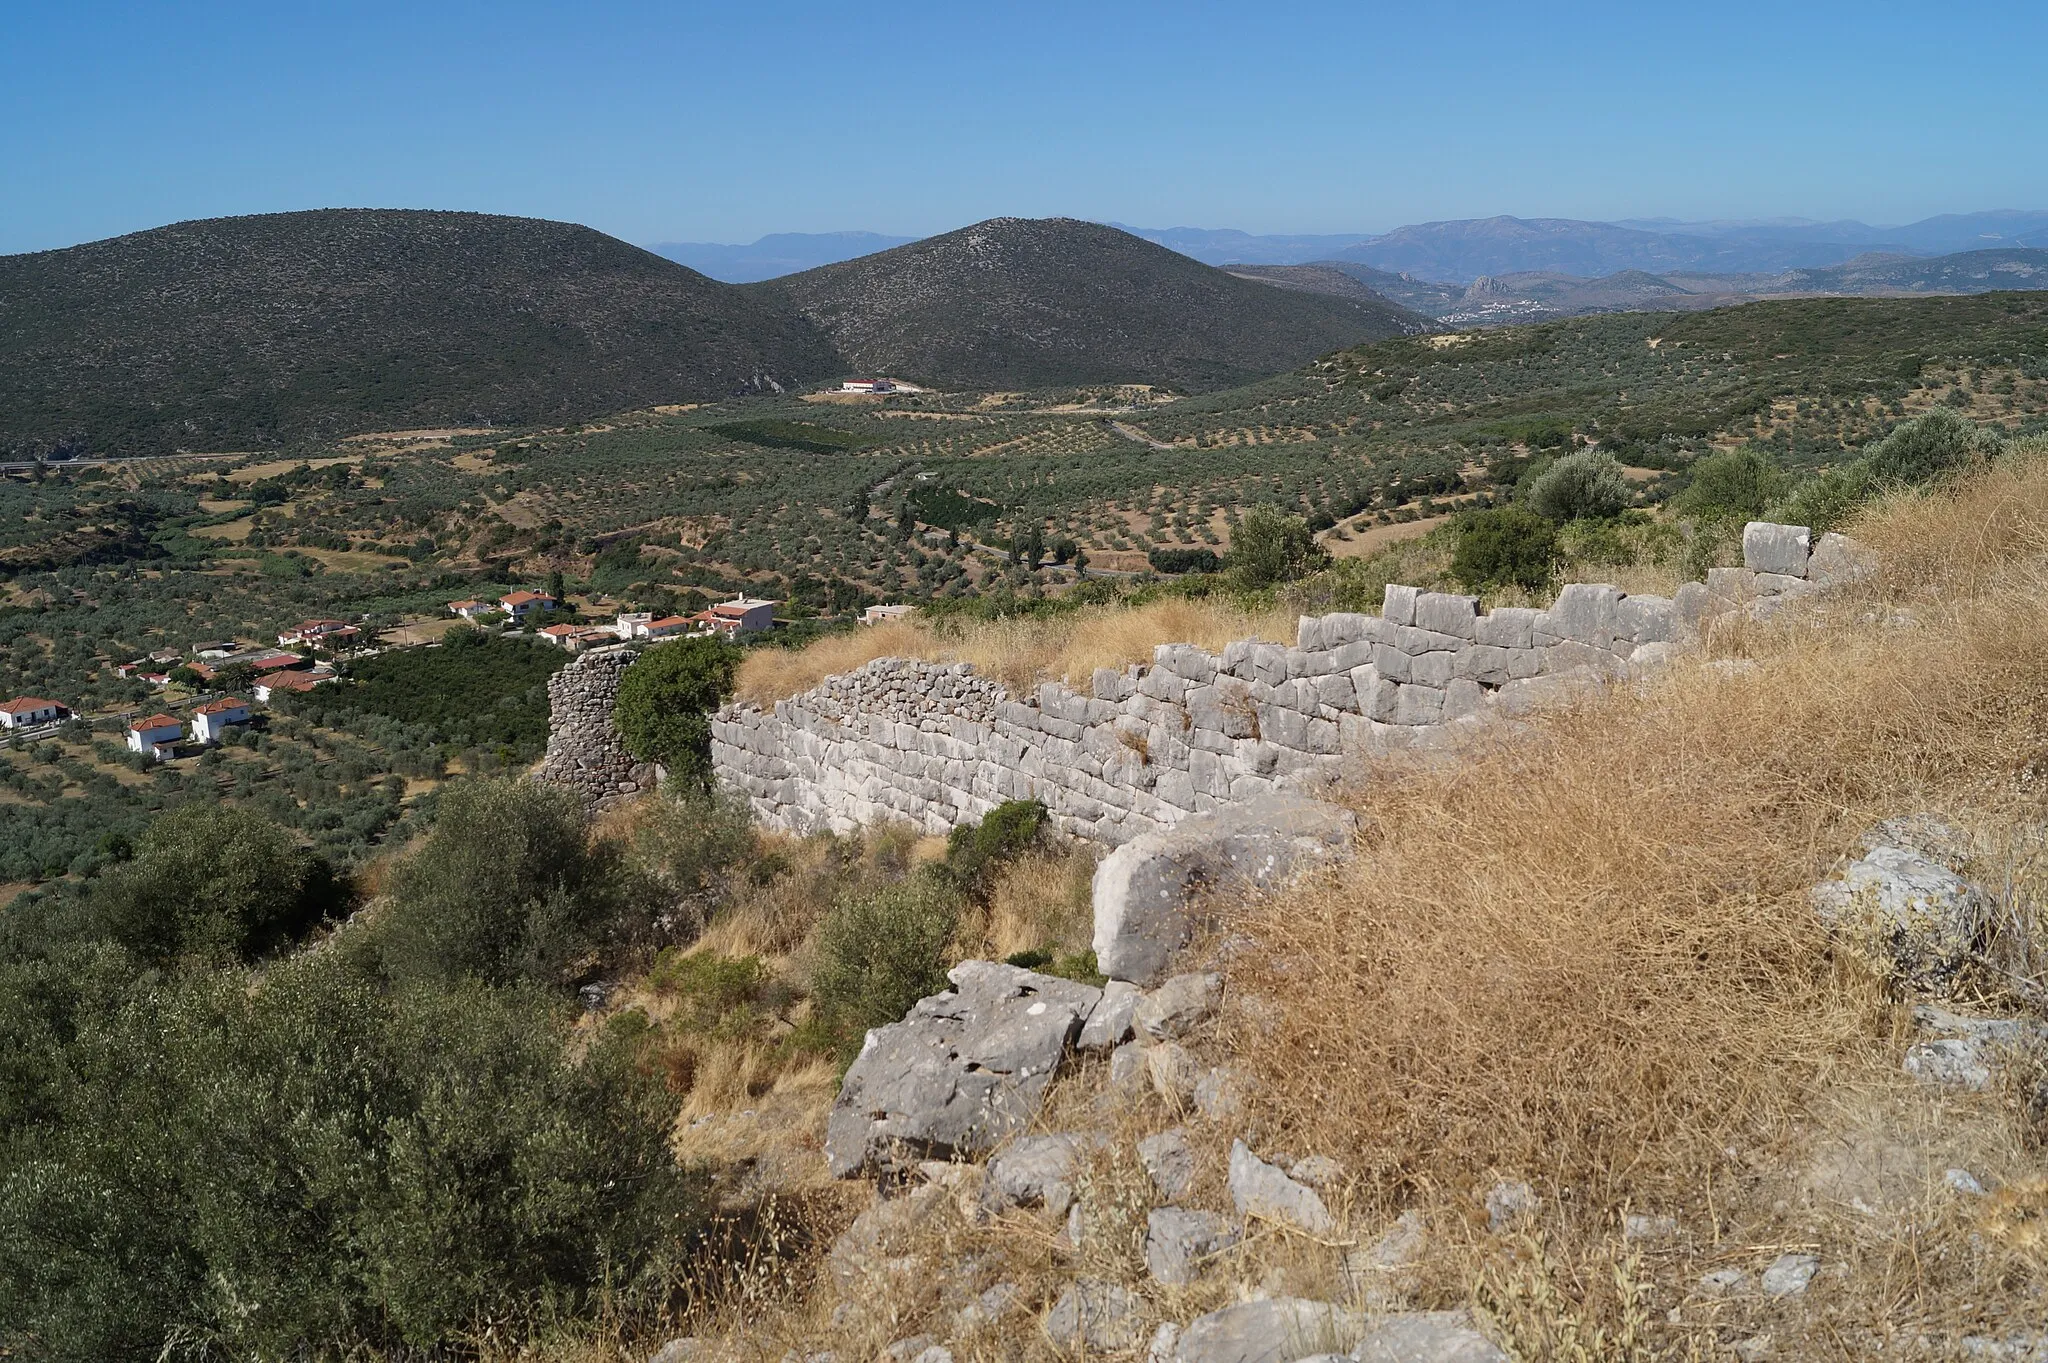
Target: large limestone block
{"x":1262,"y":1192}
{"x":1585,"y":612}
{"x":1444,"y":613}
{"x":1143,"y":890}
{"x":1397,"y":607}
{"x":1768,"y":548}
{"x":964,"y":1070}
{"x":1426,"y":1337}
{"x":1178,"y":1241}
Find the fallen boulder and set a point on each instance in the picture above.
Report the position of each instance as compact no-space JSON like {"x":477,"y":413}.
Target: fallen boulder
{"x":1143,"y":889}
{"x":963,"y":1071}
{"x":1907,"y":915}
{"x":1427,"y":1337}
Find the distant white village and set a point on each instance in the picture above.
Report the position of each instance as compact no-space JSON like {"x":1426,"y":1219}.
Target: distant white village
{"x":294,"y":666}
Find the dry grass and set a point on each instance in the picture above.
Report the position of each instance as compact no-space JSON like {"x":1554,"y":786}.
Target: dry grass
{"x":1020,"y":653}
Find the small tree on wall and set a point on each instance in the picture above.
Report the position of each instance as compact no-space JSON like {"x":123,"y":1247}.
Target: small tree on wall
{"x":665,"y":702}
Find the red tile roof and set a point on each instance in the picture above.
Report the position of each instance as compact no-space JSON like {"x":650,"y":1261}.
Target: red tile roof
{"x":521,"y":598}
{"x":156,"y":722}
{"x":28,"y":705}
{"x":222,"y":706}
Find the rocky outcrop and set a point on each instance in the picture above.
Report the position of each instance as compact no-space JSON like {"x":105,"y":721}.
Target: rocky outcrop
{"x":963,"y":1071}
{"x":585,"y":753}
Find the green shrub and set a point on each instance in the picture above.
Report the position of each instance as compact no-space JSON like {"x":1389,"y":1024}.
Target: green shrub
{"x":695,"y":838}
{"x":1184,"y":560}
{"x":1505,"y":546}
{"x":975,"y":852}
{"x":1734,"y":485}
{"x":310,"y":1166}
{"x":1826,"y":500}
{"x":1270,"y":547}
{"x":1588,"y":483}
{"x":665,"y":700}
{"x":710,"y":989}
{"x":215,"y":882}
{"x":507,"y":888}
{"x":880,"y":951}
{"x":1920,"y":450}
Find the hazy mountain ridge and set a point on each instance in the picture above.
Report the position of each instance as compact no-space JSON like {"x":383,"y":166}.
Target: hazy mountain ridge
{"x":777,"y":254}
{"x":1031,"y":302}
{"x":1535,"y":295}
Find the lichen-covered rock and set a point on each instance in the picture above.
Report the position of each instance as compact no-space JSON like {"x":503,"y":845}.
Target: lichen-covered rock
{"x":1907,"y":916}
{"x":1177,"y":1241}
{"x":963,"y":1071}
{"x":1170,"y":1161}
{"x":1101,"y":1315}
{"x":1968,"y":1052}
{"x":1035,"y":1170}
{"x":1781,"y":549}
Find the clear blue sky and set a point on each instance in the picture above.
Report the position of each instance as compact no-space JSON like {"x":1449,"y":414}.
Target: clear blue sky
{"x":683,"y":121}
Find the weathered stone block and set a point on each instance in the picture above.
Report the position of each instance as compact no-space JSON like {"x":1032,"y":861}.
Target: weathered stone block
{"x":1444,"y":613}
{"x":1507,"y":627}
{"x":1585,"y":612}
{"x":1838,"y":560}
{"x":1398,"y":606}
{"x":1782,"y":549}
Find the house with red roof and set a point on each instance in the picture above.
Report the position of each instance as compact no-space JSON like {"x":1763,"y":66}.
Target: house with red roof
{"x":519,"y":605}
{"x":318,"y":632}
{"x":156,"y":736}
{"x":471,"y":610}
{"x":289,"y":683}
{"x":30,"y":712}
{"x":211,"y":720}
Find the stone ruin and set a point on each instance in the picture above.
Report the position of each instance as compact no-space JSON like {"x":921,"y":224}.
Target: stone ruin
{"x":585,"y":753}
{"x":1145,"y":747}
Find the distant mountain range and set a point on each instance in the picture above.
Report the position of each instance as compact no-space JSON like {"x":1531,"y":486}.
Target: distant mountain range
{"x":777,"y":254}
{"x":1461,"y":251}
{"x":1536,"y":295}
{"x":239,"y":333}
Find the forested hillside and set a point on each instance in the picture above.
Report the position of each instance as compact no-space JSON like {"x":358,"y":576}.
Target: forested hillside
{"x":1027,"y":303}
{"x":249,"y":332}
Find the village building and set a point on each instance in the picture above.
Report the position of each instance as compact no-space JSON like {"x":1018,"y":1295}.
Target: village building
{"x":155,"y":737}
{"x":472,"y":610}
{"x":29,"y":712}
{"x":741,"y":615}
{"x":211,"y":720}
{"x":867,"y":386}
{"x":875,"y":615}
{"x":633,"y":624}
{"x":519,"y":605}
{"x":576,"y":638}
{"x":319,"y":633}
{"x":286,"y":683}
{"x":667,"y":627}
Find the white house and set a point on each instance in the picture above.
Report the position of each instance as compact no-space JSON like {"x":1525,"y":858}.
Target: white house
{"x":633,"y":624}
{"x":875,"y":615}
{"x":29,"y":712}
{"x":519,"y":605}
{"x":286,"y":683}
{"x":867,"y":386}
{"x":211,"y":720}
{"x":316,"y":632}
{"x":470,"y":610}
{"x":156,"y":736}
{"x":741,"y":615}
{"x":666,"y":627}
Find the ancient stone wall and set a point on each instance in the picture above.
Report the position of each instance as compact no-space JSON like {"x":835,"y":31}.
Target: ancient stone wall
{"x":1146,"y":746}
{"x":584,"y":752}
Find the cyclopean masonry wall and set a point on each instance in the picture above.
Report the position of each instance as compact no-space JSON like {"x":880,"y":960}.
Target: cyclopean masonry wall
{"x":584,"y":752}
{"x":937,"y":745}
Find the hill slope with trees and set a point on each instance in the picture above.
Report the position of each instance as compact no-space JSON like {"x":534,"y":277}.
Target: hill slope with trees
{"x":1022,"y":303}
{"x":252,"y":331}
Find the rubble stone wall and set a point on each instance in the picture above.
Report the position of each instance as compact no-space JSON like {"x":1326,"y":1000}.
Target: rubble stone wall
{"x":1144,"y":747}
{"x":585,"y":753}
